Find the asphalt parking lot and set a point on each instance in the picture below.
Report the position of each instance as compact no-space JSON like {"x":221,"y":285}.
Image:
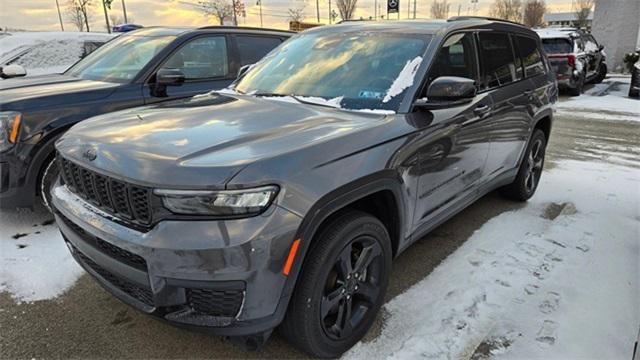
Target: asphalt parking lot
{"x":87,"y":322}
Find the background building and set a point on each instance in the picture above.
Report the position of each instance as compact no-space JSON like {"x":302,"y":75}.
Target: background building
{"x":616,"y":25}
{"x":565,"y":19}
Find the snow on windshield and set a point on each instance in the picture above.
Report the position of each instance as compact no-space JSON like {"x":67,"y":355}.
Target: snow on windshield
{"x":404,"y":79}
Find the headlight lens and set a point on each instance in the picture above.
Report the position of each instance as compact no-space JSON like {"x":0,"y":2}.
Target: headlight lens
{"x":9,"y":127}
{"x":218,"y":203}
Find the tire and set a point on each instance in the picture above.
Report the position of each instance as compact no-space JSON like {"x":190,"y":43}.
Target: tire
{"x":315,"y":319}
{"x":530,"y":171}
{"x":48,"y":177}
{"x":579,"y":89}
{"x":602,"y":74}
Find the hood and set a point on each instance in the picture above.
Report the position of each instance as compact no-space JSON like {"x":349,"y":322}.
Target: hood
{"x":54,"y":86}
{"x":206,"y":140}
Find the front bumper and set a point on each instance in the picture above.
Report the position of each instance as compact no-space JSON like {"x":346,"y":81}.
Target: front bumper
{"x":224,"y":276}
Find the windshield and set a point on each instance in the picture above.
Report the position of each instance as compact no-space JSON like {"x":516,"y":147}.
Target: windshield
{"x":119,"y":60}
{"x":349,"y":70}
{"x":557,"y":46}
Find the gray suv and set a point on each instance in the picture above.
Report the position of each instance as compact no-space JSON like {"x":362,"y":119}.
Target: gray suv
{"x":282,"y":200}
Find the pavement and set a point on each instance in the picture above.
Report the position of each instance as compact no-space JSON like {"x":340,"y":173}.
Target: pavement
{"x":87,"y":322}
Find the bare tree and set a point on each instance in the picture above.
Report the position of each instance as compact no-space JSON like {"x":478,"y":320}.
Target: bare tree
{"x":582,"y":9}
{"x":507,"y":9}
{"x":220,"y":9}
{"x":346,"y":8}
{"x":440,"y":9}
{"x":296,"y":14}
{"x":79,"y":11}
{"x":534,"y":11}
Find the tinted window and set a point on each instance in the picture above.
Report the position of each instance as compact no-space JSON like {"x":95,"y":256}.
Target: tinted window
{"x":531,"y":59}
{"x":498,"y":66}
{"x":202,"y":58}
{"x":455,"y":58}
{"x":254,"y":48}
{"x":557,"y":46}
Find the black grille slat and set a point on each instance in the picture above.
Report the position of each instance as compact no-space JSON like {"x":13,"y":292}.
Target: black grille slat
{"x":224,"y":303}
{"x":123,"y":255}
{"x":140,"y":203}
{"x":102,"y":192}
{"x":140,"y":293}
{"x":128,"y":201}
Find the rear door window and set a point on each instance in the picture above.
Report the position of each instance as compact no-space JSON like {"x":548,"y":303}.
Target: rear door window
{"x":456,"y":58}
{"x":253,"y":48}
{"x":530,"y":55}
{"x":497,"y":59}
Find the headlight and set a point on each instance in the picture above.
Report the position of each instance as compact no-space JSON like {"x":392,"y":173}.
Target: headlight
{"x":218,"y":203}
{"x":9,"y":126}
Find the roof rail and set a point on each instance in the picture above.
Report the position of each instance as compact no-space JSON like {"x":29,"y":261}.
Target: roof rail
{"x":461,"y":18}
{"x":242,"y":28}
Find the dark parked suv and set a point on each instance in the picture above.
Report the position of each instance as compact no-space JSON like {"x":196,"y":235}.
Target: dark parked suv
{"x":133,"y":69}
{"x":575,"y":57}
{"x":283,"y":200}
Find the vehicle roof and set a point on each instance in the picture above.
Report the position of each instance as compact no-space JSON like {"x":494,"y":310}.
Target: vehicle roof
{"x":421,"y":26}
{"x":176,"y":31}
{"x":552,"y":33}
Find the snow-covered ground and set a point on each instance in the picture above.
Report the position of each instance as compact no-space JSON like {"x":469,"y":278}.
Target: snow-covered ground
{"x":45,"y":52}
{"x":558,"y":279}
{"x":35,"y":263}
{"x":607,"y":100}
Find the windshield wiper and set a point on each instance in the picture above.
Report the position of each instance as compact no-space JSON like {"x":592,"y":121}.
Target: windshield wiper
{"x":268,"y":94}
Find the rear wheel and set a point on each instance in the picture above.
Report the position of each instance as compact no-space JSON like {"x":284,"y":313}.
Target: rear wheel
{"x":341,"y":287}
{"x":530,"y":171}
{"x":579,"y":89}
{"x":602,"y":74}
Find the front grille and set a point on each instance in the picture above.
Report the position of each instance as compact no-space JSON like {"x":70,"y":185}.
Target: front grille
{"x":225,"y":303}
{"x":126,"y":201}
{"x":140,"y":293}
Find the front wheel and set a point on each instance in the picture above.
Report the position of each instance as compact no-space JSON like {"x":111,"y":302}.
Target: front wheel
{"x":530,"y":171}
{"x":341,"y":287}
{"x":602,"y":74}
{"x":48,"y":178}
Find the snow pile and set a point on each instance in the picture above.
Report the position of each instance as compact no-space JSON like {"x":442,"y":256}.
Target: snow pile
{"x":35,"y":263}
{"x":46,"y":52}
{"x":555,"y":279}
{"x":614,"y":105}
{"x":404,"y":80}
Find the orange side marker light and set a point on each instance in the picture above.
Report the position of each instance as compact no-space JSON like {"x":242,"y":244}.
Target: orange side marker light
{"x":291,"y":257}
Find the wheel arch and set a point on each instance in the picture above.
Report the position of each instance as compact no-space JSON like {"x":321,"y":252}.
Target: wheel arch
{"x":385,"y":184}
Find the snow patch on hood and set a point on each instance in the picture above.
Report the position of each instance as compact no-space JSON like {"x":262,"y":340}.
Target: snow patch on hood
{"x":404,"y":80}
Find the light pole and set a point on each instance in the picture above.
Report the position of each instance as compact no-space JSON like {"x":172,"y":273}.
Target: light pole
{"x":318,"y":10}
{"x":124,"y":12}
{"x":330,"y":19}
{"x":59,"y":15}
{"x":260,"y":5}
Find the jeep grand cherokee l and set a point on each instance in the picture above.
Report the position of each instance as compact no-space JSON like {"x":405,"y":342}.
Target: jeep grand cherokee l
{"x":136,"y":68}
{"x":283,"y":199}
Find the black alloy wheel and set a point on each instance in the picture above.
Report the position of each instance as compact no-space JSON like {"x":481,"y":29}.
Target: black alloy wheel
{"x":341,"y":285}
{"x":530,"y":171}
{"x":351,"y":287}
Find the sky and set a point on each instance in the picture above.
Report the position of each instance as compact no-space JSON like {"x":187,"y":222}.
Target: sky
{"x":42,"y":15}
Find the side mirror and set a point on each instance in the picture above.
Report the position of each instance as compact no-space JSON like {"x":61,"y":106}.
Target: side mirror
{"x":600,"y":47}
{"x":12,"y":71}
{"x":167,"y":77}
{"x":243,"y":70}
{"x":447,"y":91}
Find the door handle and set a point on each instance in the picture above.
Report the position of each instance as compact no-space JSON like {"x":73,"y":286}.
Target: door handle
{"x":528,"y":93}
{"x":482,"y":110}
